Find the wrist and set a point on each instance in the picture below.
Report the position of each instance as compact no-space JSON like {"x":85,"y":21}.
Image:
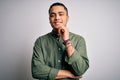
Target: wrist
{"x":65,"y":41}
{"x":69,"y":47}
{"x":68,"y":44}
{"x":64,"y":74}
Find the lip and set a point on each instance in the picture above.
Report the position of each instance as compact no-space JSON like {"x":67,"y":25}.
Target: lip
{"x":57,"y":23}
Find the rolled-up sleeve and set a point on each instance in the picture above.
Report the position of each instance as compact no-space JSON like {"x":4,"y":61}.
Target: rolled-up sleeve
{"x":79,"y":61}
{"x":39,"y":69}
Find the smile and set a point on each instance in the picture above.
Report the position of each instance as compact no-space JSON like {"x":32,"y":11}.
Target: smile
{"x":57,"y":22}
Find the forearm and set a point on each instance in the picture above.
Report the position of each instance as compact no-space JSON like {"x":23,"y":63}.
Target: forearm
{"x":63,"y":74}
{"x":41,"y":71}
{"x":77,"y":58}
{"x":69,"y":48}
{"x":78,"y":63}
{"x":66,"y":74}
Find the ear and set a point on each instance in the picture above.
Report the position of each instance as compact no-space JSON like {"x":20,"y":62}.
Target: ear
{"x":67,"y":18}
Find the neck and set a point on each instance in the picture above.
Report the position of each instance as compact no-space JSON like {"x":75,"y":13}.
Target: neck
{"x":56,"y":32}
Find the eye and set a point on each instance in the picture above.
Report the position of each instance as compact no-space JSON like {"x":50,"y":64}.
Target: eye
{"x":52,"y":15}
{"x":61,"y":14}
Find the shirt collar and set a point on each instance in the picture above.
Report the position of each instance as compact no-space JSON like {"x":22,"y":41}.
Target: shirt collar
{"x":54,"y":34}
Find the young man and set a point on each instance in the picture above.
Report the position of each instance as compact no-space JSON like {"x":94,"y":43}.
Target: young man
{"x":59,"y":54}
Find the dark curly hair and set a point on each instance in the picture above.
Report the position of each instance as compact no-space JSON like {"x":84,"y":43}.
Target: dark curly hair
{"x":58,"y":4}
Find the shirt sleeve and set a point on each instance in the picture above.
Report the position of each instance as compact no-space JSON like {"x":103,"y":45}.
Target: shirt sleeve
{"x":79,"y":61}
{"x":39,"y":69}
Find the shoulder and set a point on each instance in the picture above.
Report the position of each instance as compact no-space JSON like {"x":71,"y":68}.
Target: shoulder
{"x":43,"y":37}
{"x":76,"y":36}
{"x":77,"y":39}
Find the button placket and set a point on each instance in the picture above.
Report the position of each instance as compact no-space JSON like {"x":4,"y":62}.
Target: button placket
{"x":60,"y":51}
{"x":59,"y":61}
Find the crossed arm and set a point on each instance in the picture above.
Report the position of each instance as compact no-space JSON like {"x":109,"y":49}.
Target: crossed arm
{"x":77,"y":60}
{"x":66,"y":74}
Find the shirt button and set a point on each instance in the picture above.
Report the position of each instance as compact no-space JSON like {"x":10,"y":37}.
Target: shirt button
{"x":59,"y":49}
{"x":59,"y":61}
{"x":57,"y":38}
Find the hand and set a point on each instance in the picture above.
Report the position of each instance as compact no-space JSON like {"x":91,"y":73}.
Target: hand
{"x":77,"y":77}
{"x":63,"y":32}
{"x":66,"y":74}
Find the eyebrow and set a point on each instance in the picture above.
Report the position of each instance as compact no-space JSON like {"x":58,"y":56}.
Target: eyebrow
{"x":56,"y":13}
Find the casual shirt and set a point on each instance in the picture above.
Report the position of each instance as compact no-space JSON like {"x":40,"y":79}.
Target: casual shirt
{"x":50,"y":56}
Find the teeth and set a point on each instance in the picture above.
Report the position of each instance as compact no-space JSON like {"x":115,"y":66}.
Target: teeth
{"x":57,"y":22}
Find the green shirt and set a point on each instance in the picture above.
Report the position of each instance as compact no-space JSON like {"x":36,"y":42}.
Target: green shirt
{"x":49,"y":56}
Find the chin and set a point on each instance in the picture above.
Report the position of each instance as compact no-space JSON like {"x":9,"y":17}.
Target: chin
{"x":56,"y":26}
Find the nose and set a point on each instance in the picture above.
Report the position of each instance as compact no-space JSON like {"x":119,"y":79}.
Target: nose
{"x":57,"y":17}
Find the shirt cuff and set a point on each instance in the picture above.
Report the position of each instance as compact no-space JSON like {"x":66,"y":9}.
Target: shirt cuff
{"x":75,"y":56}
{"x":53,"y":73}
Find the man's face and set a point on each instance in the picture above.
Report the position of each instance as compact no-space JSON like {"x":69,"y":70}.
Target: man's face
{"x":58,"y":17}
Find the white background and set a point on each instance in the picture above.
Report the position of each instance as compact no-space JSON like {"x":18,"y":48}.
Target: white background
{"x":22,"y":21}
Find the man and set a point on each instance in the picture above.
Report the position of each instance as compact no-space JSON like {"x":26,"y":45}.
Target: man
{"x":59,"y":54}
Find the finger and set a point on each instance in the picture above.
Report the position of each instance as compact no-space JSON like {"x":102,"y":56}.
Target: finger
{"x":78,"y":76}
{"x":59,"y":31}
{"x":81,"y":76}
{"x":62,"y":30}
